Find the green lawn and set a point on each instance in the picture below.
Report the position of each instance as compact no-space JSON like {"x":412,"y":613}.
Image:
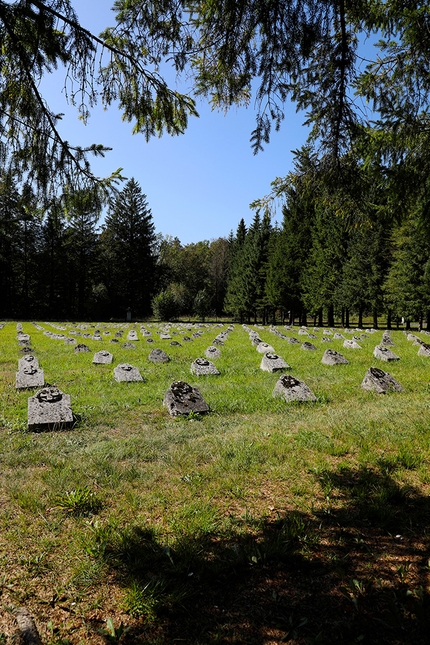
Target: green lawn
{"x":261,"y":522}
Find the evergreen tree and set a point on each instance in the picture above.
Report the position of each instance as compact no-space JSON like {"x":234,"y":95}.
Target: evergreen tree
{"x":129,"y":251}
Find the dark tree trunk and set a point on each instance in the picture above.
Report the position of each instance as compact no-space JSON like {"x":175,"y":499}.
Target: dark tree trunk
{"x":375,"y":319}
{"x":360,"y":318}
{"x":389,"y":320}
{"x":347,"y":317}
{"x":330,"y":316}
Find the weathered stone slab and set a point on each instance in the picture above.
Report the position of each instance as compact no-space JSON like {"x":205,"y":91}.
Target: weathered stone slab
{"x":165,"y":337}
{"x":424,"y":350}
{"x":384,"y":354}
{"x":26,"y":361}
{"x":291,"y":389}
{"x":293,"y":341}
{"x":182,"y":398}
{"x":49,"y":409}
{"x":351,"y":344}
{"x":330,"y":357}
{"x":326,"y":339}
{"x":212,"y":352}
{"x":29,"y":376}
{"x":218,"y":341}
{"x":129,"y":346}
{"x":308,"y":346}
{"x":81,"y":347}
{"x":187,"y":339}
{"x":132,"y":335}
{"x":23,"y":337}
{"x":150,"y":340}
{"x":302,"y":332}
{"x":114,"y":340}
{"x":338,"y":336}
{"x":26,"y":350}
{"x":387,"y":340}
{"x":158,"y":356}
{"x":175,"y":343}
{"x":379,"y":381}
{"x":263,"y":348}
{"x":273,"y":363}
{"x":97,"y":337}
{"x":203,"y":367}
{"x":125,"y":372}
{"x":103,"y":357}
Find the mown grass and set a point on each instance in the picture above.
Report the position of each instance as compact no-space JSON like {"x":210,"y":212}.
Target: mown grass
{"x":260,"y":522}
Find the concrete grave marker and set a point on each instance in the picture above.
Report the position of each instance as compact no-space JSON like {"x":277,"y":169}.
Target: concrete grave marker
{"x":175,"y":343}
{"x":203,"y":367}
{"x":29,"y":376}
{"x":384,"y":354}
{"x":103,"y":357}
{"x":49,"y":409}
{"x":125,"y":372}
{"x":158,"y":356}
{"x":331,"y":357}
{"x":291,"y":389}
{"x":338,"y":336}
{"x":308,"y":346}
{"x":273,"y":363}
{"x":182,"y":398}
{"x":132,"y":335}
{"x":379,"y":381}
{"x":81,"y":348}
{"x":386,"y":339}
{"x":351,"y":344}
{"x":129,"y":346}
{"x":263,"y":348}
{"x":28,"y":360}
{"x":424,"y":350}
{"x":293,"y":341}
{"x":212,"y":352}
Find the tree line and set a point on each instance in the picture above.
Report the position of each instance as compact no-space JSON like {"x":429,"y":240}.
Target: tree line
{"x":337,"y":253}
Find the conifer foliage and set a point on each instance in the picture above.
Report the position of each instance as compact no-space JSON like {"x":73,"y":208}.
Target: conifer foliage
{"x":128,"y":242}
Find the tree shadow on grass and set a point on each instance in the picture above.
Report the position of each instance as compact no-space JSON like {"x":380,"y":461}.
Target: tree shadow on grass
{"x":354,"y":572}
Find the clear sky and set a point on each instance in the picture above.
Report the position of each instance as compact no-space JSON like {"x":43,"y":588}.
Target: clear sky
{"x":198,"y":185}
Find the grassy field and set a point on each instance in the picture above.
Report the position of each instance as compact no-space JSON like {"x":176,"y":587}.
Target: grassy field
{"x":262,"y":522}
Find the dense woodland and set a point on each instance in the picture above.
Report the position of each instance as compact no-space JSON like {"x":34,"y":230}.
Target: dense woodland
{"x":337,"y":253}
{"x":353,"y":237}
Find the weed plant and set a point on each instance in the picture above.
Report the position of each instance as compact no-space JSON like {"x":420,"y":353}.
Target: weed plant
{"x":260,"y":522}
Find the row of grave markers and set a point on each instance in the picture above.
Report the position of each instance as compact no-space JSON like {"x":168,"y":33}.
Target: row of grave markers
{"x":182,"y":398}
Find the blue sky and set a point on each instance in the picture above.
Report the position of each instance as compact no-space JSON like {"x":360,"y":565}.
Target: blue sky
{"x":198,"y":185}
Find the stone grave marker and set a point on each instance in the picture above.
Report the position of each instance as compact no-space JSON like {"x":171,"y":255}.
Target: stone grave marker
{"x":308,"y":346}
{"x":129,"y":346}
{"x":125,"y":372}
{"x":293,"y":341}
{"x":424,"y":350}
{"x":212,"y":352}
{"x":103,"y":357}
{"x":49,"y":409}
{"x":351,"y":344}
{"x":384,"y":354}
{"x":28,"y":360}
{"x":114,"y":340}
{"x":338,"y":336}
{"x":70,"y":341}
{"x":182,"y":399}
{"x":26,"y":350}
{"x":218,"y":341}
{"x":175,"y":343}
{"x":158,"y":356}
{"x":386,"y":339}
{"x":330,"y":357}
{"x":30,"y":375}
{"x":291,"y":389}
{"x":273,"y":363}
{"x":165,"y":337}
{"x":81,"y":347}
{"x":379,"y":381}
{"x":187,"y":339}
{"x":132,"y":335}
{"x":203,"y":367}
{"x":263,"y":348}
